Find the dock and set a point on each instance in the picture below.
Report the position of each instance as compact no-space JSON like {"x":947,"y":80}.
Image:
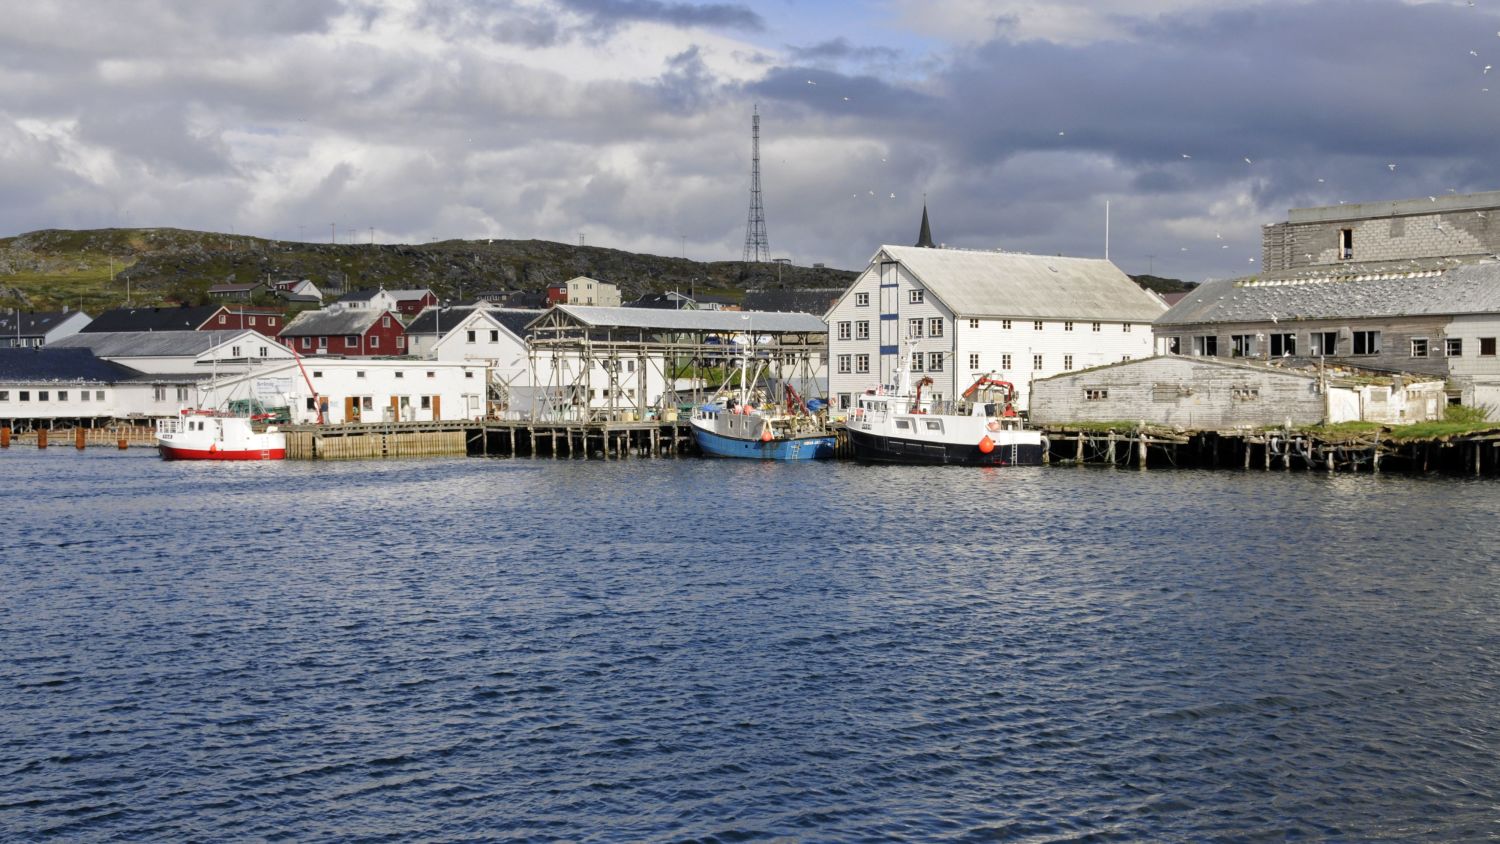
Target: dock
{"x":490,"y":438}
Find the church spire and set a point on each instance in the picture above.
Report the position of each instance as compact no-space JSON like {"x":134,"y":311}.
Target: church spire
{"x":924,"y":239}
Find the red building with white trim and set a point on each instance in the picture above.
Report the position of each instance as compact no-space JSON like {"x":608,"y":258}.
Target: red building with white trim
{"x":350,"y":332}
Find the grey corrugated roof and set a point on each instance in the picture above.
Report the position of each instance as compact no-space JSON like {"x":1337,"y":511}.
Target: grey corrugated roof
{"x":403,"y":295}
{"x":431,"y":319}
{"x":150,"y":344}
{"x":362,"y":295}
{"x":807,"y":300}
{"x":55,"y":364}
{"x":1004,"y":284}
{"x":331,"y":323}
{"x":515,"y":320}
{"x":151,"y":319}
{"x":690,"y":320}
{"x":1464,"y":289}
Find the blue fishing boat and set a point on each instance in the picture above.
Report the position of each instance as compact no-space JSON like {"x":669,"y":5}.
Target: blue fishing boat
{"x":749,"y":425}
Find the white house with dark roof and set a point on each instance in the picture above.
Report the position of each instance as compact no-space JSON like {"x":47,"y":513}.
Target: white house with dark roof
{"x":33,"y":330}
{"x":1438,"y":317}
{"x":967,"y":313}
{"x":197,"y":353}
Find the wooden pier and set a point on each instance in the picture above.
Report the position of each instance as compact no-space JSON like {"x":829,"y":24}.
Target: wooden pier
{"x":489,"y":438}
{"x":1473,"y":453}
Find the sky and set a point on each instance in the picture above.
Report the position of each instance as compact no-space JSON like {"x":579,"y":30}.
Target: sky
{"x":627,"y":122}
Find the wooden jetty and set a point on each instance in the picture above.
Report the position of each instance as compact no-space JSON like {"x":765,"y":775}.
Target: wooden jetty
{"x":491,"y":437}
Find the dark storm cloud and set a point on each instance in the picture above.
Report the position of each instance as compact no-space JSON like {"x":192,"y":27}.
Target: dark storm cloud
{"x":840,"y":49}
{"x":610,"y":13}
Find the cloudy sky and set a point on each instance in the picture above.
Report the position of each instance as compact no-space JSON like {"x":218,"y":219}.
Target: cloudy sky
{"x":628,"y":121}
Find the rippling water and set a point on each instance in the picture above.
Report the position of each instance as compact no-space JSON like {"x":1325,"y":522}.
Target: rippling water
{"x":715,"y":650}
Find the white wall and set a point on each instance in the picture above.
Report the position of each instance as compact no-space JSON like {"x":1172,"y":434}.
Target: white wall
{"x":991,"y":340}
{"x":1483,"y":371}
{"x":458,"y":387}
{"x":56,"y":401}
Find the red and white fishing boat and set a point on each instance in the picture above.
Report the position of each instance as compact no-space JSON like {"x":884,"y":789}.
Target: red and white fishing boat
{"x":205,"y":435}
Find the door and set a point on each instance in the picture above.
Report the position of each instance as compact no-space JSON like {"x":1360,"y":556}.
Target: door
{"x":395,"y":408}
{"x":437,"y":408}
{"x":351,"y":409}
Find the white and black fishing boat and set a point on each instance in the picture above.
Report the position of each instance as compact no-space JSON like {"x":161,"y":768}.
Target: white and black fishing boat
{"x":896,"y":424}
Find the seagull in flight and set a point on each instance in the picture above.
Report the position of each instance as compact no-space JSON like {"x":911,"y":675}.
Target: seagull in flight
{"x":1248,"y":161}
{"x":1185,"y":155}
{"x":1488,"y":67}
{"x":1392,"y":166}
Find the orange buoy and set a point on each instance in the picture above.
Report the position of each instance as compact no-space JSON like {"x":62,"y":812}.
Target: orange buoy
{"x":765,"y":435}
{"x":986,"y":445}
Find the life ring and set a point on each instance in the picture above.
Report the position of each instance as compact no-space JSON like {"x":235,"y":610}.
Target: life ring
{"x":994,"y":425}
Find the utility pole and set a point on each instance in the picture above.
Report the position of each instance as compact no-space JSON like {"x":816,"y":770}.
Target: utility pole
{"x":333,"y":236}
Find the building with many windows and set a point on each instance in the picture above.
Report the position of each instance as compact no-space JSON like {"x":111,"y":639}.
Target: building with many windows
{"x":967,"y":313}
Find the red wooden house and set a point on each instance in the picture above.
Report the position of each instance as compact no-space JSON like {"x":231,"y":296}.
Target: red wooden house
{"x":354,"y":333}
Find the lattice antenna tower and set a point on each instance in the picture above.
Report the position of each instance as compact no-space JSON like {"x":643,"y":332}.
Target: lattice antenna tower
{"x":757,"y":246}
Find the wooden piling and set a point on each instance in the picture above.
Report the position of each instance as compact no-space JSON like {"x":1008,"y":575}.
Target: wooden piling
{"x":41,"y":437}
{"x":80,"y":437}
{"x":1141,"y":437}
{"x":5,"y":437}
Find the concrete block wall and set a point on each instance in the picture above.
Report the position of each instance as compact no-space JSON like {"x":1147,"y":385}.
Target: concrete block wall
{"x":1449,"y":226}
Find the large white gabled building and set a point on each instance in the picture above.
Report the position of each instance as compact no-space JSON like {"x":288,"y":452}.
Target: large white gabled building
{"x":966,"y":313}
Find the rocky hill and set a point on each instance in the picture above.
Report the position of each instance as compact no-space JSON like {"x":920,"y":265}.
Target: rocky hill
{"x":98,"y":268}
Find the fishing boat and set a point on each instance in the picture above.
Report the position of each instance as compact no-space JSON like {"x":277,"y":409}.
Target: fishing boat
{"x":206,"y":435}
{"x":896,"y":424}
{"x":747,"y":423}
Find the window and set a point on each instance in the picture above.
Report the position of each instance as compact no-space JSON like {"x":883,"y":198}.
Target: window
{"x":427,"y":402}
{"x":1096,"y":326}
{"x":843,"y":401}
{"x":367,"y":403}
{"x":1068,"y":325}
{"x":935,"y":327}
{"x":973,"y":360}
{"x":400,"y":342}
{"x":1036,"y":325}
{"x":62,"y":395}
{"x":470,"y":336}
{"x":934,"y":361}
{"x":1419,"y":347}
{"x":264,"y":352}
{"x":916,"y":362}
{"x":1454,"y":347}
{"x":844,"y":328}
{"x":4,"y":395}
{"x":400,"y":374}
{"x":1067,"y":361}
{"x":1323,"y":343}
{"x":351,"y":340}
{"x":861,"y":363}
{"x":1005,"y":324}
{"x":317,"y":373}
{"x":431,"y":374}
{"x":223,"y":319}
{"x":385,"y":322}
{"x":915,"y":297}
{"x":182,"y":393}
{"x":495,"y":335}
{"x":157,"y":394}
{"x":1127,"y":327}
{"x":323,"y":342}
{"x":252,"y":320}
{"x":1486,"y":347}
{"x":1241,"y":345}
{"x":846,"y":364}
{"x":1206,"y":345}
{"x":861,"y":300}
{"x":43,"y":395}
{"x":1005,"y":361}
{"x":98,"y":395}
{"x":82,"y":395}
{"x":468,"y":374}
{"x":1367,"y":342}
{"x":306,"y":342}
{"x":903,"y":424}
{"x":933,"y":424}
{"x":1095,"y":393}
{"x":1346,"y":244}
{"x":629,"y":366}
{"x":359,"y":374}
{"x":862,"y":330}
{"x":1036,"y":361}
{"x":1244,"y":393}
{"x":914,"y":327}
{"x":1283,"y":344}
{"x":375,"y":341}
{"x":973,"y":323}
{"x":234,"y":351}
{"x":312,"y":404}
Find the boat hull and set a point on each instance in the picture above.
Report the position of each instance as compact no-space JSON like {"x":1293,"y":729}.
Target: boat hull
{"x":176,"y":453}
{"x":877,"y":448}
{"x":800,"y":448}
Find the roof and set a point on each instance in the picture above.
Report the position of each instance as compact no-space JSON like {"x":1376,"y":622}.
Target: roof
{"x":152,"y":319}
{"x":234,"y":288}
{"x":975,"y":283}
{"x":137,"y":344}
{"x":34,"y":324}
{"x":1333,"y":293}
{"x":691,"y":320}
{"x":332,"y":323}
{"x":55,"y":364}
{"x":430,"y":320}
{"x":408,"y":295}
{"x":361,"y":295}
{"x":514,"y":320}
{"x":807,"y":300}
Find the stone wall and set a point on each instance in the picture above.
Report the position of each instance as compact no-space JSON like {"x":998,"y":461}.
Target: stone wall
{"x":1436,"y":227}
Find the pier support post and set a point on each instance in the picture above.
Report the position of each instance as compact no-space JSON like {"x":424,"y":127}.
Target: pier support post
{"x":5,"y":437}
{"x":1079,"y":456}
{"x":41,"y":437}
{"x":1109,"y":452}
{"x":80,"y":438}
{"x":1141,"y":439}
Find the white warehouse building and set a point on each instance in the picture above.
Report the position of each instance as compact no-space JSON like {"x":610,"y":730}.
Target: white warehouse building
{"x":966,"y":313}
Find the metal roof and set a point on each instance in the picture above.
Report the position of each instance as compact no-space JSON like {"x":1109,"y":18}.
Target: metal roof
{"x":333,"y":322}
{"x":362,"y":295}
{"x":404,"y":295}
{"x":769,"y":322}
{"x":55,"y":364}
{"x":974,"y":283}
{"x":34,"y":324}
{"x":1464,"y":289}
{"x":807,"y":300}
{"x":151,"y":319}
{"x":151,"y":344}
{"x":431,"y":319}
